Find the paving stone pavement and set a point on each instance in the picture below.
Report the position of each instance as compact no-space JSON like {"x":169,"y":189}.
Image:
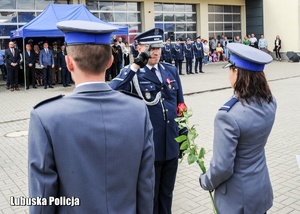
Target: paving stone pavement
{"x":204,"y":94}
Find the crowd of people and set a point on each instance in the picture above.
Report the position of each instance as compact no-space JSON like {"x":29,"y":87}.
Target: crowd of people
{"x":44,"y":65}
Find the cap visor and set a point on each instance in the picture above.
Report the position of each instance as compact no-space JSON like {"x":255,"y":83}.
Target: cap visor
{"x":227,"y":65}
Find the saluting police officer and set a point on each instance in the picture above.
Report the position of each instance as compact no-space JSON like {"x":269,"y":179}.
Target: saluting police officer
{"x":177,"y":52}
{"x":159,"y":85}
{"x":90,"y":152}
{"x":238,"y":170}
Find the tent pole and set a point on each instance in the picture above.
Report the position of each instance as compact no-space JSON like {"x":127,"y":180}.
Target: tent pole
{"x":24,"y":64}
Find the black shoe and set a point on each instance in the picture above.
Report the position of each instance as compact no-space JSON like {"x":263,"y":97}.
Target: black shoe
{"x":50,"y":86}
{"x":68,"y":85}
{"x":201,"y":71}
{"x":196,"y":72}
{"x":27,"y":87}
{"x":53,"y":83}
{"x":192,"y":73}
{"x":34,"y":87}
{"x":181,"y":74}
{"x":45,"y":87}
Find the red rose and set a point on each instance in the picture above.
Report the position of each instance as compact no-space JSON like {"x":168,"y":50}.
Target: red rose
{"x":180,"y":108}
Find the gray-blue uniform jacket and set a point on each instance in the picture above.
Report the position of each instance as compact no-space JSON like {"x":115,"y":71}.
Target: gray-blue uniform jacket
{"x":238,"y":170}
{"x":80,"y":145}
{"x":164,"y":112}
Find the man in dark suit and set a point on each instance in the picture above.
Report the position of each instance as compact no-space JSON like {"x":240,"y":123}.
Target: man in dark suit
{"x":93,"y":149}
{"x":12,"y":59}
{"x":117,"y":53}
{"x":47,"y":62}
{"x":159,"y":85}
{"x":62,"y":66}
{"x":30,"y":66}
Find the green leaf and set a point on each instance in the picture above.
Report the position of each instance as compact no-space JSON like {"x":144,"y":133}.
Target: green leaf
{"x":184,"y":145}
{"x":201,"y":153}
{"x":180,"y":139}
{"x":191,"y":158}
{"x":201,"y":165}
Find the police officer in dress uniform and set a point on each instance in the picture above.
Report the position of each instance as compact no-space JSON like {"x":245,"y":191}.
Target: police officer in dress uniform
{"x":159,"y":85}
{"x":199,"y":54}
{"x":167,"y":51}
{"x":238,"y":172}
{"x":87,"y":152}
{"x":177,"y":52}
{"x":189,"y":55}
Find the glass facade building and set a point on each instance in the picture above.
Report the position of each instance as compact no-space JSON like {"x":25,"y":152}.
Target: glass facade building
{"x":178,"y":20}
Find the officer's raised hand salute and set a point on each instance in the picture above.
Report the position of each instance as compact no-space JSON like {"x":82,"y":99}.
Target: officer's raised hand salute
{"x":158,"y":84}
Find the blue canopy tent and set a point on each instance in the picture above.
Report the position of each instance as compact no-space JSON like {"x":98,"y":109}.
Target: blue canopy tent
{"x":44,"y":25}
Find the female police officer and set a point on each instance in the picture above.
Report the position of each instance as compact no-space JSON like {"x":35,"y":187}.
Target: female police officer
{"x":238,"y":172}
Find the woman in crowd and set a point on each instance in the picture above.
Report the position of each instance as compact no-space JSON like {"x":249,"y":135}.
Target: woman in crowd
{"x":238,"y":171}
{"x":277,"y":47}
{"x":38,"y":70}
{"x":206,"y":51}
{"x":126,"y":54}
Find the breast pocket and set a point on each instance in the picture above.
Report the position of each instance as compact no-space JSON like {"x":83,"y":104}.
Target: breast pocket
{"x":148,"y":90}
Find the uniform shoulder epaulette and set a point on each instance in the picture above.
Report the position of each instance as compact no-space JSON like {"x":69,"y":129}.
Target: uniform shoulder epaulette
{"x":48,"y":100}
{"x":131,"y":94}
{"x":228,"y":105}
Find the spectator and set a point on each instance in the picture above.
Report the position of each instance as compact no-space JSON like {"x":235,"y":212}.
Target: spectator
{"x":2,"y":65}
{"x":12,"y":59}
{"x":117,"y":54}
{"x":237,"y":40}
{"x":30,"y":66}
{"x":246,"y":41}
{"x":38,"y":69}
{"x":62,"y":66}
{"x":126,"y":54}
{"x":253,"y":41}
{"x":213,"y":44}
{"x":206,"y":51}
{"x":263,"y":44}
{"x":225,"y":43}
{"x":134,"y":50}
{"x":220,"y":53}
{"x":47,"y":64}
{"x":277,"y":47}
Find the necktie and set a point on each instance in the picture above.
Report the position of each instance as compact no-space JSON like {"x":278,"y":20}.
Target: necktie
{"x":13,"y":52}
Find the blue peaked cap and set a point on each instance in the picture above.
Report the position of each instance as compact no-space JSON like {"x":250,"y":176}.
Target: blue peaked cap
{"x":78,"y":32}
{"x":152,"y":37}
{"x":247,"y":57}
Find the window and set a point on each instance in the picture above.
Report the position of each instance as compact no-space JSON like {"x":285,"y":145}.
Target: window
{"x":224,"y":19}
{"x":182,"y":23}
{"x":120,"y":13}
